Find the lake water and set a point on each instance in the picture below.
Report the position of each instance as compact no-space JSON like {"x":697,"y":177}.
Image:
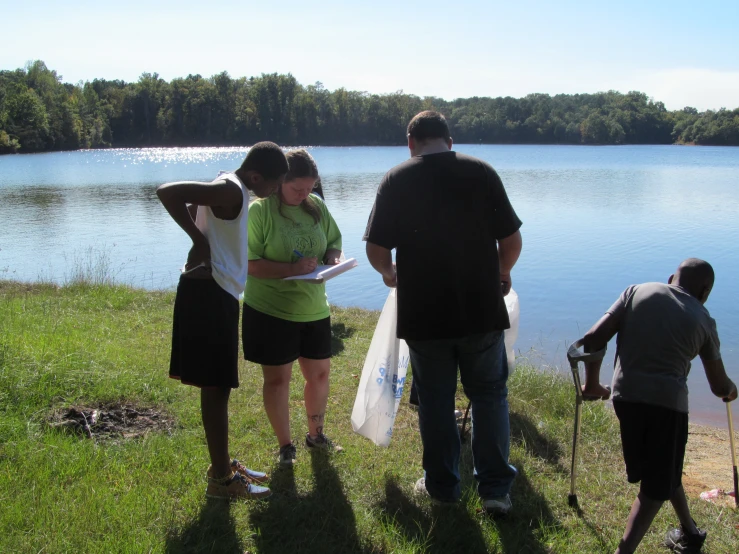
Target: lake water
{"x":595,"y":220}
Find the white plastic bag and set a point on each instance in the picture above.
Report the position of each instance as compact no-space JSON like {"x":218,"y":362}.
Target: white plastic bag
{"x":382,"y":380}
{"x":511,"y":334}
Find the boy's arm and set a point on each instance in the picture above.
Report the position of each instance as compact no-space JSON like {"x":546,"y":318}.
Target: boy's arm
{"x":596,"y":339}
{"x":381,"y":259}
{"x":509,"y":249}
{"x":720,"y":383}
{"x":176,"y":196}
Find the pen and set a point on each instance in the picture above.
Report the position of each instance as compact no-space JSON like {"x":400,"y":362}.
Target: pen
{"x":298,"y":254}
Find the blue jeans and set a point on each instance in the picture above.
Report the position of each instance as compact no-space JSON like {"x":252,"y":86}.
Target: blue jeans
{"x":483,"y":367}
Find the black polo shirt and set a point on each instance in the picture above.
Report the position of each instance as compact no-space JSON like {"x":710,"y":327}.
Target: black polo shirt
{"x":443,"y":213}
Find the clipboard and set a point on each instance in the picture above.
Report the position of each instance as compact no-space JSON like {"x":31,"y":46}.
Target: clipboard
{"x":324,"y":273}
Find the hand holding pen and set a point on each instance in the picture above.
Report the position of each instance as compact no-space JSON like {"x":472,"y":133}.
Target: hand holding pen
{"x":304,"y":265}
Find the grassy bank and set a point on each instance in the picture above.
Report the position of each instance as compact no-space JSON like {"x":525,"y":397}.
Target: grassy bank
{"x":62,"y":492}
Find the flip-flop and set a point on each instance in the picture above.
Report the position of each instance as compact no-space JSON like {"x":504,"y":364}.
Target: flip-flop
{"x":594,"y":397}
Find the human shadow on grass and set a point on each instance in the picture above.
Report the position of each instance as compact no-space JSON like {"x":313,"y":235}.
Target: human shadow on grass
{"x":214,"y":530}
{"x":595,"y":530}
{"x":538,"y":445}
{"x":535,"y":443}
{"x":320,"y":522}
{"x":530,"y":514}
{"x":339,"y":332}
{"x":448,"y":528}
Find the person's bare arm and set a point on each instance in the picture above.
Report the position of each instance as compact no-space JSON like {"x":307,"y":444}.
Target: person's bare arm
{"x":267,"y":269}
{"x":333,"y":256}
{"x":509,"y":249}
{"x":175,"y":198}
{"x":596,"y":339}
{"x":721,"y":385}
{"x":381,"y":259}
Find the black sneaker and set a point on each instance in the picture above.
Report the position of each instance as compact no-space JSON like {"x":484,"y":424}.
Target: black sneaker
{"x":287,"y":455}
{"x":323,"y":442}
{"x":680,"y":540}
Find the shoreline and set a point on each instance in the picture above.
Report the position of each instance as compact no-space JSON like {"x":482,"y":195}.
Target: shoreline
{"x":708,"y":463}
{"x":702,"y":418}
{"x":244,"y":147}
{"x":698,"y":417}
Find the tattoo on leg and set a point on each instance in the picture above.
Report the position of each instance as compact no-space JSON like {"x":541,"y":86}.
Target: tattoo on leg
{"x":319,"y":430}
{"x":318,"y":418}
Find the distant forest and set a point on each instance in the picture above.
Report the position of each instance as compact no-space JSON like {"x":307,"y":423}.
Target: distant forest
{"x":38,"y":112}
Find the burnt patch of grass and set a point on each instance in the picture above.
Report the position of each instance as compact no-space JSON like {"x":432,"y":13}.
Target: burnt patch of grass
{"x":117,"y":421}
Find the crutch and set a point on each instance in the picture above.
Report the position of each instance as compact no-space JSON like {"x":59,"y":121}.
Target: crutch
{"x":574,"y":356}
{"x":733,"y":453}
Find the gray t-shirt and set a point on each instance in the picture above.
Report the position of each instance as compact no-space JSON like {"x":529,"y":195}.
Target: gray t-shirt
{"x":662,"y":329}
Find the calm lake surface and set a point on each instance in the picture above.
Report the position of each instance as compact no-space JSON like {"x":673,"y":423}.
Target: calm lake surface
{"x":595,"y":220}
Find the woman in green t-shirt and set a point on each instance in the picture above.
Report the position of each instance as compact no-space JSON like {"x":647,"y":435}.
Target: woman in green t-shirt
{"x":289,"y":234}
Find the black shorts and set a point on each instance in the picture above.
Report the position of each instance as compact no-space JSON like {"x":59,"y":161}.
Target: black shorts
{"x":270,"y":340}
{"x":205,"y":335}
{"x":653,"y":441}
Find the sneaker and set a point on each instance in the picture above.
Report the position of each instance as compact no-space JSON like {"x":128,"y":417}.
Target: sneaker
{"x":680,"y":540}
{"x":235,"y":487}
{"x":287,"y":455}
{"x":498,"y":507}
{"x":421,"y":490}
{"x":257,"y":477}
{"x":322,"y":441}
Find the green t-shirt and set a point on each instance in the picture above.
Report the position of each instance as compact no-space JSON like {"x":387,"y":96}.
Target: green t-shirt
{"x":274,"y":237}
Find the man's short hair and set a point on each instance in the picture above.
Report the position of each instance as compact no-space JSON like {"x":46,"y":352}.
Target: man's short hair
{"x":428,"y":125}
{"x":695,"y":273}
{"x":267,"y":159}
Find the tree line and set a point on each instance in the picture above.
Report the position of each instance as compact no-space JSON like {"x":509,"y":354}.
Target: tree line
{"x":38,"y":112}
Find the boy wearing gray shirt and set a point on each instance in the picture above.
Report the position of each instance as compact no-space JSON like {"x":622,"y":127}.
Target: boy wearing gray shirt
{"x":661,"y":328}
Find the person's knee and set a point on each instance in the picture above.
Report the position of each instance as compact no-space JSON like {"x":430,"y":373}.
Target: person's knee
{"x":493,"y":393}
{"x":318,"y":377}
{"x":277,"y":381}
{"x":315,"y":371}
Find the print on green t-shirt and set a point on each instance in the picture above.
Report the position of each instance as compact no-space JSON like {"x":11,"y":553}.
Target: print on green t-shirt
{"x":274,"y":236}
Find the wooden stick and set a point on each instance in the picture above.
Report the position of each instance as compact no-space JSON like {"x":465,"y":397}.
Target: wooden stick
{"x":733,"y":453}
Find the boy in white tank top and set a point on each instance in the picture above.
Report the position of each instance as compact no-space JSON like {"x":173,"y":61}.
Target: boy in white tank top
{"x":206,"y":311}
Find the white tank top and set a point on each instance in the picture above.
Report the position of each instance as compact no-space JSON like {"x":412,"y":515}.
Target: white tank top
{"x":228,"y":242}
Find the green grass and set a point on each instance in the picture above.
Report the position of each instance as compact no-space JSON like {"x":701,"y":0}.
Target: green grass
{"x":84,"y":344}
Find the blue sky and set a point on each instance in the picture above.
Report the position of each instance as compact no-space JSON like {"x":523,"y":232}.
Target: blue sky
{"x":679,"y":52}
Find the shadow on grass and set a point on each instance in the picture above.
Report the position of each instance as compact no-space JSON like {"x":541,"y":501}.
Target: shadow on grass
{"x":445,"y":530}
{"x":320,"y":522}
{"x":592,"y":525}
{"x":520,"y":531}
{"x":535,"y":443}
{"x":538,"y":445}
{"x":339,"y":332}
{"x":214,"y":530}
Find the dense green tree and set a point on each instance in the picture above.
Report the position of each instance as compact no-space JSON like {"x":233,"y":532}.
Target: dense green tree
{"x":27,"y":120}
{"x":39,"y":112}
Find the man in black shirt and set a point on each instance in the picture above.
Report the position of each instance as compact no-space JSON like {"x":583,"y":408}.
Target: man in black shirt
{"x":456,"y":238}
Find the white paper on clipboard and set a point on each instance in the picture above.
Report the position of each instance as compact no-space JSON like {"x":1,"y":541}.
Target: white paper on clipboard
{"x":325,"y":272}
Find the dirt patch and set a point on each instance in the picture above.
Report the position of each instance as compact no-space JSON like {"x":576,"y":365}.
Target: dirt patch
{"x":111,"y":421}
{"x":708,"y":463}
